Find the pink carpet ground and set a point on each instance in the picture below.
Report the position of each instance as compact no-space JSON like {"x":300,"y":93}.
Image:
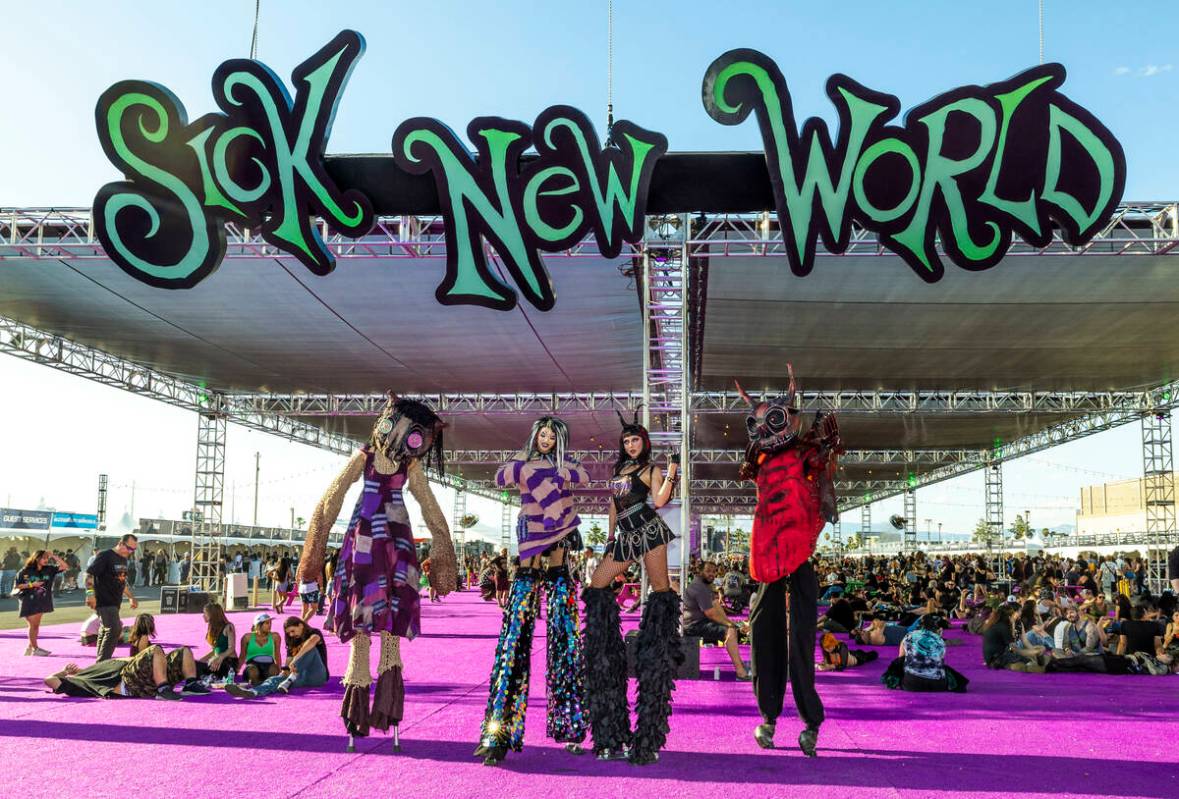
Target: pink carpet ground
{"x":1050,"y":735}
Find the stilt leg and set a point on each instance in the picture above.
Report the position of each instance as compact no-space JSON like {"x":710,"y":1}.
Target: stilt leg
{"x":357,"y":680}
{"x":507,"y":701}
{"x":565,"y":678}
{"x":605,"y":658}
{"x":658,"y":655}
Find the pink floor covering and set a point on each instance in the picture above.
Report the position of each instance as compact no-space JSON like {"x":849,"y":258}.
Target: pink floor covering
{"x":1050,"y":735}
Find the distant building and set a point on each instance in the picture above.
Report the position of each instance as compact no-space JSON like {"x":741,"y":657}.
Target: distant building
{"x":1113,"y":507}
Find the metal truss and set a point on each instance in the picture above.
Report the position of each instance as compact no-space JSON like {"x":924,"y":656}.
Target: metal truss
{"x":996,"y":537}
{"x":1158,"y":400}
{"x":370,"y":405}
{"x":208,"y":493}
{"x":1136,"y":228}
{"x":1158,"y":484}
{"x":884,"y":457}
{"x":879,"y":403}
{"x":507,"y":515}
{"x":910,"y":533}
{"x":708,"y":402}
{"x":31,"y":344}
{"x":865,"y":523}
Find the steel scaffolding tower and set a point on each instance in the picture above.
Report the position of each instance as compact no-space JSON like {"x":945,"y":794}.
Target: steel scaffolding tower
{"x":506,"y":526}
{"x":993,"y":475}
{"x":865,"y":524}
{"x":207,"y":545}
{"x":456,"y":526}
{"x":910,"y":540}
{"x":1158,"y":482}
{"x":102,"y":486}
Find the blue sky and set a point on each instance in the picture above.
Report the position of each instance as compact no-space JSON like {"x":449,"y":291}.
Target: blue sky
{"x":457,"y":60}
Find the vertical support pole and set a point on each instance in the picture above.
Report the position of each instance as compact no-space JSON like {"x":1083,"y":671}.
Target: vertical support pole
{"x":645,"y":265}
{"x":208,"y":495}
{"x":910,"y":542}
{"x":457,"y":528}
{"x":506,"y":526}
{"x":993,"y":474}
{"x":102,"y":487}
{"x":865,"y":525}
{"x":1158,"y":483}
{"x":685,"y":409}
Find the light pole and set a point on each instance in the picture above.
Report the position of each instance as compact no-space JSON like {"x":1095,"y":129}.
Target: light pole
{"x":939,"y":532}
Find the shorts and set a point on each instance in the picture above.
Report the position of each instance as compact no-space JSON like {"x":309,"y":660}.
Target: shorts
{"x":709,"y":632}
{"x":309,"y":593}
{"x":282,"y":588}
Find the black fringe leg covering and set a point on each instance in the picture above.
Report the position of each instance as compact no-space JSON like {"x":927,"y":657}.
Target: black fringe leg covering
{"x":507,"y":701}
{"x":658,"y":655}
{"x":605,"y":677}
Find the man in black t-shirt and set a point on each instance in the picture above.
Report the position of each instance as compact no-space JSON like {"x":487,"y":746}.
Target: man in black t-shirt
{"x":1139,"y":634}
{"x":106,"y":584}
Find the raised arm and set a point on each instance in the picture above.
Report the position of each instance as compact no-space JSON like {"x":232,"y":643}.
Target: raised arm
{"x":509,"y":474}
{"x":572,"y":472}
{"x":444,"y":564}
{"x":323,"y":517}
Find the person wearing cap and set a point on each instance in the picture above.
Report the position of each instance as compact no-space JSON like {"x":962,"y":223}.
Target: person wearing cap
{"x":260,"y":651}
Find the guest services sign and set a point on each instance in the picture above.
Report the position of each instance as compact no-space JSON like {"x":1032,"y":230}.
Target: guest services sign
{"x":973,"y":167}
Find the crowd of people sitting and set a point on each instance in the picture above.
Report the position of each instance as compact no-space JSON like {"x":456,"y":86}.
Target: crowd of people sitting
{"x":1041,"y":614}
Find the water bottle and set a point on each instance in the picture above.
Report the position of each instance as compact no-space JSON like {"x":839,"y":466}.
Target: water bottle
{"x":716,"y":673}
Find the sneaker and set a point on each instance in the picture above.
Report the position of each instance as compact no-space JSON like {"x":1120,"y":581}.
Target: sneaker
{"x":746,"y":677}
{"x":28,"y":651}
{"x":764,"y":735}
{"x":39,"y":652}
{"x":168,"y":694}
{"x":237,"y":692}
{"x":195,"y":688}
{"x":610,"y":754}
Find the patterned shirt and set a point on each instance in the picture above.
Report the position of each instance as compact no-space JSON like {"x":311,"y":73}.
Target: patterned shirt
{"x":925,"y":654}
{"x":546,"y":501}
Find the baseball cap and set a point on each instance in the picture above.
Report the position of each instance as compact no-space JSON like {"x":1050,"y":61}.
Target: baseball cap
{"x":1010,"y":598}
{"x":261,"y":618}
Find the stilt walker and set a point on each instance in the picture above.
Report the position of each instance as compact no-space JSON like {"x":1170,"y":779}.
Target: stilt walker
{"x":375,"y":585}
{"x":636,"y":532}
{"x":795,"y":496}
{"x":547,"y":531}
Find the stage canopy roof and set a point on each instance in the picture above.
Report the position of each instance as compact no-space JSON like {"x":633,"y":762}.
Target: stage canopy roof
{"x":929,"y":380}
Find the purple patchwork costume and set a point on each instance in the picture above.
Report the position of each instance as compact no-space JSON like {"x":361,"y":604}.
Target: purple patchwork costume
{"x":375,"y":587}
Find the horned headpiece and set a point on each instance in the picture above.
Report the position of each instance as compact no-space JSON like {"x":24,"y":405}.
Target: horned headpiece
{"x":772,"y":423}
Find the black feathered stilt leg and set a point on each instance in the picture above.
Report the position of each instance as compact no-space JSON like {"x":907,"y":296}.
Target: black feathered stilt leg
{"x":605,"y":660}
{"x":658,"y":655}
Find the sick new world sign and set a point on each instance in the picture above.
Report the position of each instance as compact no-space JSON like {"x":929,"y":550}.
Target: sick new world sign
{"x":971,"y":169}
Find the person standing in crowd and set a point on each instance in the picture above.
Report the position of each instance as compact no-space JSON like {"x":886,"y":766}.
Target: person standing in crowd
{"x":11,"y":564}
{"x":280,"y":578}
{"x":35,"y":583}
{"x":106,"y":585}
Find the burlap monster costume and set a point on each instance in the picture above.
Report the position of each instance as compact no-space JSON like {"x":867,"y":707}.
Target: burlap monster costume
{"x":795,"y":497}
{"x":375,"y":586}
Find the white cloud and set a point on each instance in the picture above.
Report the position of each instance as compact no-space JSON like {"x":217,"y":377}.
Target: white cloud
{"x":1150,"y":70}
{"x":1122,"y":71}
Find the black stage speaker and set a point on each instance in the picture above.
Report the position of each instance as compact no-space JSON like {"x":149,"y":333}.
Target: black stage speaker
{"x":689,"y":670}
{"x":170,"y":599}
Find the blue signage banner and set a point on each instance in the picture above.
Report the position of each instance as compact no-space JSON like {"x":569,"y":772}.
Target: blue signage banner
{"x":16,"y":519}
{"x":83,"y":521}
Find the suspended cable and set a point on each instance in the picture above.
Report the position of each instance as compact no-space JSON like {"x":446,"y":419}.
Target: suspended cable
{"x":258,"y":13}
{"x":609,"y":71}
{"x":1041,"y":31}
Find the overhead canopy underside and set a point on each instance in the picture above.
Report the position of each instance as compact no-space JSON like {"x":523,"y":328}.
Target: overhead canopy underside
{"x":1049,"y":323}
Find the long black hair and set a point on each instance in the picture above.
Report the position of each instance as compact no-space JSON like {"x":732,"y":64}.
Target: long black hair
{"x":632,"y":428}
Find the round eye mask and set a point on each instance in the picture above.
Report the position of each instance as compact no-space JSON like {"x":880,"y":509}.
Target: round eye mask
{"x":385,"y":427}
{"x":414,"y":440}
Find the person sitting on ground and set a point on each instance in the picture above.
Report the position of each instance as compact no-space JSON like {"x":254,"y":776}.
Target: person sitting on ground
{"x":88,"y":633}
{"x":141,"y":632}
{"x":837,"y":656}
{"x":262,"y":651}
{"x":706,"y":620}
{"x":1096,"y":607}
{"x":839,"y":618}
{"x":921,"y":664}
{"x":151,"y":673}
{"x":880,"y":633}
{"x":1001,"y":650}
{"x":1142,"y":639}
{"x":306,"y":665}
{"x":969,"y":602}
{"x":221,"y":661}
